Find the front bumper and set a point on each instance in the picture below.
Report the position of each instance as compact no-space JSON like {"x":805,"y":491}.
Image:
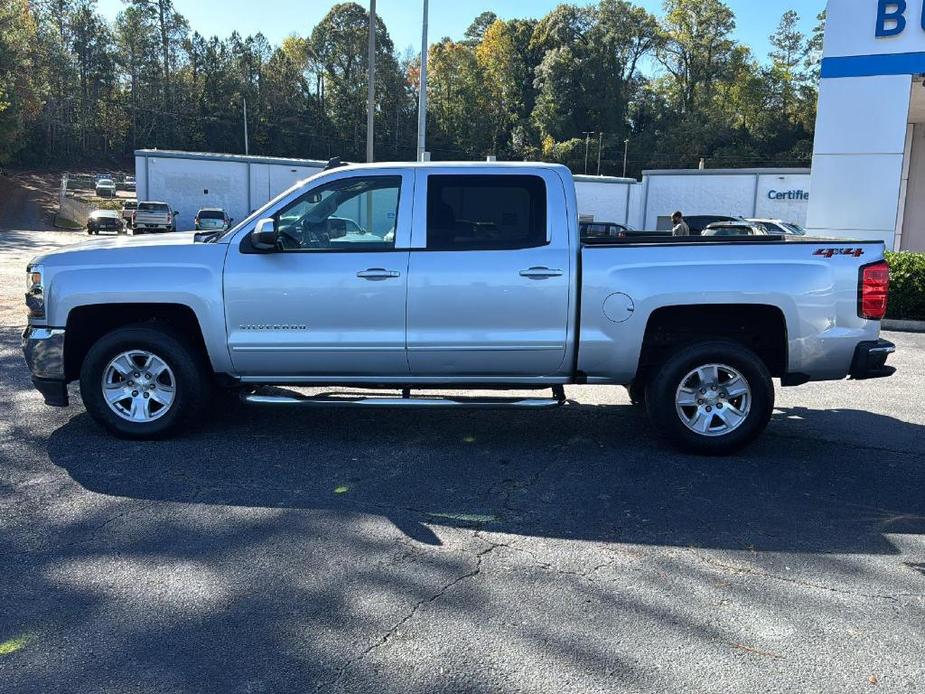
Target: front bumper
{"x":870,"y":360}
{"x":43,"y":349}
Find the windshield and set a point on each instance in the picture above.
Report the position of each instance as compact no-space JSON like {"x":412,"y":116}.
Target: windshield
{"x":795,"y":229}
{"x":153,"y":207}
{"x":211,"y":214}
{"x":104,"y":182}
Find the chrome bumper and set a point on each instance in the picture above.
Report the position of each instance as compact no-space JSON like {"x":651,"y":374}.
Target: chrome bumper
{"x":43,"y":349}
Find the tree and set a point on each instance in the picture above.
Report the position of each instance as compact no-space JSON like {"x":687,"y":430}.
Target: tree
{"x":18,"y":97}
{"x":787,"y":55}
{"x":479,"y":26}
{"x":339,"y":44}
{"x":455,"y":92}
{"x":697,"y":49}
{"x":74,"y":86}
{"x":813,"y":52}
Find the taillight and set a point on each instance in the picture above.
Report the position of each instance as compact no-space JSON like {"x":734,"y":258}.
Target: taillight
{"x":873,"y":290}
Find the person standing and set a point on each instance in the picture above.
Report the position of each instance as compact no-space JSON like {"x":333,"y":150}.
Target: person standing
{"x":679,"y":227}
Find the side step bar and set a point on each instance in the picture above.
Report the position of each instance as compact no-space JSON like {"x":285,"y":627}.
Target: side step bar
{"x":333,"y":400}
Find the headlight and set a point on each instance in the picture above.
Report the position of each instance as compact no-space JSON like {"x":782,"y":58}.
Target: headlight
{"x":35,"y":291}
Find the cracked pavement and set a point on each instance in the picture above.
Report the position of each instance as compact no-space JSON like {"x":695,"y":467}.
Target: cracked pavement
{"x":564,"y":551}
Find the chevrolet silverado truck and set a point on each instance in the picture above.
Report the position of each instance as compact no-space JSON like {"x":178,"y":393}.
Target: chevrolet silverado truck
{"x":153,"y":216}
{"x":415,"y":278}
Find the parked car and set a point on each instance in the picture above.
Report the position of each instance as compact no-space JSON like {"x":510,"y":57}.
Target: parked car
{"x":741,"y":228}
{"x":105,"y":220}
{"x":778,"y":226}
{"x":128,"y":210}
{"x":602,"y":230}
{"x":698,"y":222}
{"x":105,"y":188}
{"x":210,"y":218}
{"x":128,"y":183}
{"x":471,"y":276}
{"x":154,"y":216}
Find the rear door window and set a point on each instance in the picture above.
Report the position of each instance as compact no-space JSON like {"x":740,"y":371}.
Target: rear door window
{"x":485,"y":212}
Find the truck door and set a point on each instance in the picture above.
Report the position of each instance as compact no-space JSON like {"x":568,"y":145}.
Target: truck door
{"x":330,"y":301}
{"x":488,"y":291}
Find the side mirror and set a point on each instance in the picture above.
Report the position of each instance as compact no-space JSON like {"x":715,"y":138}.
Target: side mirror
{"x":176,"y":214}
{"x":264,"y":235}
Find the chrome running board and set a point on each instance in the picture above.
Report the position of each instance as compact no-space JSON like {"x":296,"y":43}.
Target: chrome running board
{"x":334,"y":400}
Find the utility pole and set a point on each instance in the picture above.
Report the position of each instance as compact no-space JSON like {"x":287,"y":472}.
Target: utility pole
{"x":247,"y":149}
{"x":626,"y":150}
{"x":422,"y":99}
{"x":371,"y":88}
{"x":587,"y":135}
{"x":600,"y":143}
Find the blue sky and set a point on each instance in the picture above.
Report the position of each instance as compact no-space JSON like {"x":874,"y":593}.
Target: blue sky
{"x":756,"y":19}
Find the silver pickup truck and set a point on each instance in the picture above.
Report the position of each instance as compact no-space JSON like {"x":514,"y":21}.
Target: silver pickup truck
{"x":153,"y":216}
{"x":422,"y":277}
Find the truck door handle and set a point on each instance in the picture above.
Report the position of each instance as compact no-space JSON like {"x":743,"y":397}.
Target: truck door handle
{"x":377,"y":273}
{"x":540,"y":273}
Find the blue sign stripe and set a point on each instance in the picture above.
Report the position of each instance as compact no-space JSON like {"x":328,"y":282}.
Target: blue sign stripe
{"x":873,"y":65}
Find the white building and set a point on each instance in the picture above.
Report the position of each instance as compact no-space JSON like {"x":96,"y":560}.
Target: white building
{"x":763,"y":193}
{"x":868,"y":176}
{"x":238,"y":184}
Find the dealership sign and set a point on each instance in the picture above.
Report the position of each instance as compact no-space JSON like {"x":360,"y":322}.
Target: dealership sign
{"x":891,"y":17}
{"x":788,"y":195}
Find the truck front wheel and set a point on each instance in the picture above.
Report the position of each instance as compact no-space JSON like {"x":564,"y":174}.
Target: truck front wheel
{"x":143,"y":382}
{"x":712,"y":397}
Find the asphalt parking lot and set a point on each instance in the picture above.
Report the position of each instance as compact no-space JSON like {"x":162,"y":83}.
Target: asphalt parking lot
{"x":562,"y":551}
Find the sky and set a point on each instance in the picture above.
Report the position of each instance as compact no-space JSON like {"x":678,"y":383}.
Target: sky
{"x":756,"y":19}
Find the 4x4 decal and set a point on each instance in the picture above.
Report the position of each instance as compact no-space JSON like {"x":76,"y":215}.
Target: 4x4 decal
{"x":829,"y":252}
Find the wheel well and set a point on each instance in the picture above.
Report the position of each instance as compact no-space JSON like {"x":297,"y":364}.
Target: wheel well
{"x":761,"y":328}
{"x":87,"y":324}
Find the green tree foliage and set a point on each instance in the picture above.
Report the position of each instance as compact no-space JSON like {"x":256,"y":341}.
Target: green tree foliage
{"x":75,"y":86}
{"x":18,"y":84}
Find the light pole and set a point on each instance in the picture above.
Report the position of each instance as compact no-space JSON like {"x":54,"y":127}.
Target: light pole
{"x":587,"y":135}
{"x":626,"y":149}
{"x":422,"y":98}
{"x":600,"y":143}
{"x":371,"y":88}
{"x":247,"y":149}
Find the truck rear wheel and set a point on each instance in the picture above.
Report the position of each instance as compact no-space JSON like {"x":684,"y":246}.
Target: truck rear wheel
{"x":712,"y":398}
{"x":143,"y":382}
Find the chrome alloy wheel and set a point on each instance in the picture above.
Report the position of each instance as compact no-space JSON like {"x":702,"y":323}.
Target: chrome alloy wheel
{"x":139,"y":386}
{"x":713,"y":400}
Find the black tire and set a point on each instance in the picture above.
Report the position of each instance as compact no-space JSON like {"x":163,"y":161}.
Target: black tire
{"x":191,"y":371}
{"x":637,"y":393}
{"x":663,"y":387}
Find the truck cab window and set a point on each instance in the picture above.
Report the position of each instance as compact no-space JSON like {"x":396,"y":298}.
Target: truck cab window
{"x":349,"y":214}
{"x":472,"y":212}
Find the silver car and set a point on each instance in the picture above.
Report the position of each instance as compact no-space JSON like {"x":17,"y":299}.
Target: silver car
{"x":212,"y":219}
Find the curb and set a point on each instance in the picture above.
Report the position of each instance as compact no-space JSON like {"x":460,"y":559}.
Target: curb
{"x":904,"y":326}
{"x":68,"y":226}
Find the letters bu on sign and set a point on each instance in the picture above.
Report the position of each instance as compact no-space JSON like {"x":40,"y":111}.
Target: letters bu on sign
{"x":891,"y":17}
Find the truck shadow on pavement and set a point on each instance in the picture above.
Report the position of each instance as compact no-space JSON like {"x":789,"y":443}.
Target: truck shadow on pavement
{"x":592,"y":473}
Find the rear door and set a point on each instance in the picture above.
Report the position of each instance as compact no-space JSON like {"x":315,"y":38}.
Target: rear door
{"x":488,"y":292}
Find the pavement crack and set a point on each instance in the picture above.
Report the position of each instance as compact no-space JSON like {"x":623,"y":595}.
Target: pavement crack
{"x":382,"y":640}
{"x":760,"y":573}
